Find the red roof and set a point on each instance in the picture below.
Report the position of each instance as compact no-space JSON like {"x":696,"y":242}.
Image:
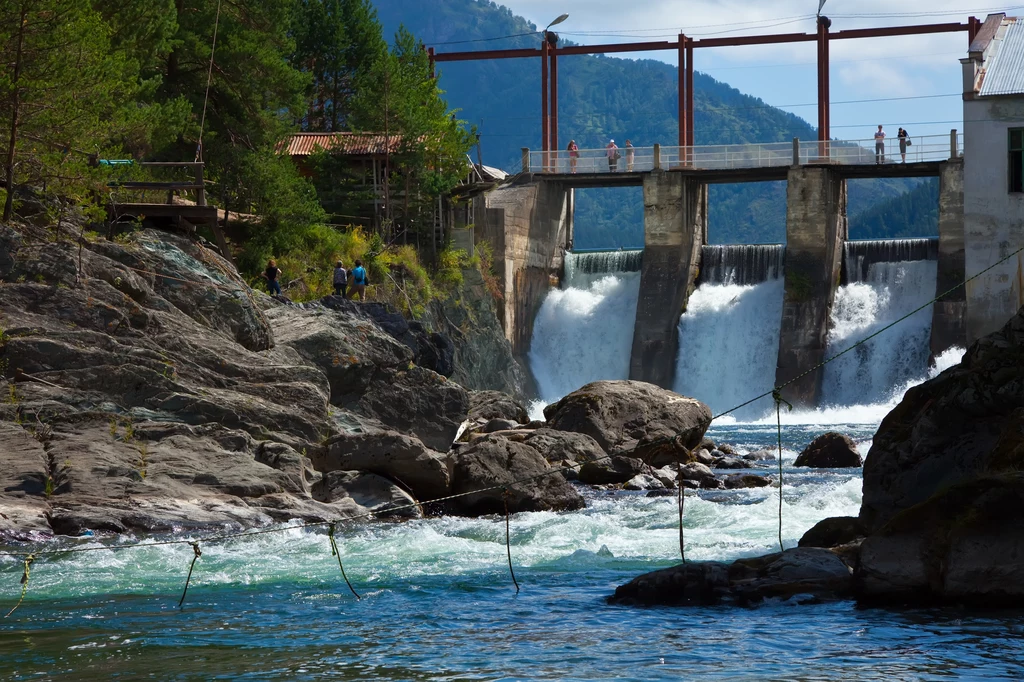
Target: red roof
{"x":350,"y":144}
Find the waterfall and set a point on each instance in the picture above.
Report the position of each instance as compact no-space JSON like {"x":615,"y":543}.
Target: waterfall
{"x":860,"y":255}
{"x":874,"y":371}
{"x":740,"y":263}
{"x":584,"y":331}
{"x":729,"y":334}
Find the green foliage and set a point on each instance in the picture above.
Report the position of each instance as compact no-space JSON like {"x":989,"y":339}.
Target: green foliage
{"x":912,"y":214}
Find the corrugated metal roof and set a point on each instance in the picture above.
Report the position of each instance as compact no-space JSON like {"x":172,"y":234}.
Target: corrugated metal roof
{"x":349,"y":144}
{"x":1004,"y":75}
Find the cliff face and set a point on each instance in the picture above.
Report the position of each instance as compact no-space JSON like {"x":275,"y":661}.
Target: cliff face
{"x":146,"y":387}
{"x":483,"y":357}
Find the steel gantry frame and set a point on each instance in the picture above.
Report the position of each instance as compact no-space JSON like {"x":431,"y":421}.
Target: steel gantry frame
{"x":684,"y":45}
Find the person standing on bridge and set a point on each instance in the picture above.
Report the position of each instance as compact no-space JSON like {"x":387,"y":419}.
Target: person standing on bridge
{"x":904,"y":138}
{"x":574,"y":155}
{"x":613,"y":156}
{"x":880,"y":146}
{"x":630,"y":156}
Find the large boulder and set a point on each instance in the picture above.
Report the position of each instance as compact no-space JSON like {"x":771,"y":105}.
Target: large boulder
{"x":400,"y":458}
{"x":804,"y":573}
{"x":963,"y":545}
{"x":511,"y":472}
{"x":417,"y":401}
{"x":832,"y":532}
{"x":611,"y":470}
{"x":561,"y":446}
{"x":486,"y":405}
{"x":966,"y":422}
{"x":830,"y":450}
{"x":621,"y":415}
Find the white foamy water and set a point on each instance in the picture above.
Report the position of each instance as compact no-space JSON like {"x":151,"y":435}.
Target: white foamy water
{"x":729,"y":345}
{"x":584,"y":332}
{"x":871,"y":372}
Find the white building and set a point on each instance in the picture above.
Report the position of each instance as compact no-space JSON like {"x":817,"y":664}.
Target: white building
{"x":994,"y":172}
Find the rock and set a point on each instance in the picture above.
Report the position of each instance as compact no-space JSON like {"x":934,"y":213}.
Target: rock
{"x":498,"y":425}
{"x":487,"y":405}
{"x":696,"y":584}
{"x":558,"y":446}
{"x":619,"y":415}
{"x":830,"y":450}
{"x":370,"y":491}
{"x":403,"y":459}
{"x":760,"y":455}
{"x":661,"y":452}
{"x":804,"y":573}
{"x":964,"y":423}
{"x":350,"y":351}
{"x":696,"y":472}
{"x":811,"y":571}
{"x":483,"y":357}
{"x":418,"y":402}
{"x":729,"y":463}
{"x":612,"y":470}
{"x":727,"y":449}
{"x":667,"y":476}
{"x":663,"y":492}
{"x":711,"y":484}
{"x":643,"y":482}
{"x":746,"y":481}
{"x":832,"y":532}
{"x":704,"y":457}
{"x":708,"y":444}
{"x":495,"y":462}
{"x":430,"y":350}
{"x":962,"y":546}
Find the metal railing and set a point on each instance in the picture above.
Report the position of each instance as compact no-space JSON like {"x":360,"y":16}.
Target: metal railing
{"x":919,"y":148}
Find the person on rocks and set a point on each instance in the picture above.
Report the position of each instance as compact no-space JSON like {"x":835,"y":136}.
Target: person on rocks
{"x":613,"y":156}
{"x":340,"y":279}
{"x":359,"y":281}
{"x":272,"y":274}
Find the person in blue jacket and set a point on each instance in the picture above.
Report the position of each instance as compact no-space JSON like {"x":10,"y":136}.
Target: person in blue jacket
{"x":359,"y":280}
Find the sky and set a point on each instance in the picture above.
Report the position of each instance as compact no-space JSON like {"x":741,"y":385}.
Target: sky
{"x":912,"y":81}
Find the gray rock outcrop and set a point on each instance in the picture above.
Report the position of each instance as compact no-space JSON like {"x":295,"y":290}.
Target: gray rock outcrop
{"x":830,"y":450}
{"x":620,"y":415}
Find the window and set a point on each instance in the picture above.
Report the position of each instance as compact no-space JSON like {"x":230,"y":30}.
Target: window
{"x":1017,"y":159}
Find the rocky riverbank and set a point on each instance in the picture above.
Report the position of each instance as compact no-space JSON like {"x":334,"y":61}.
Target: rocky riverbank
{"x":147,"y":388}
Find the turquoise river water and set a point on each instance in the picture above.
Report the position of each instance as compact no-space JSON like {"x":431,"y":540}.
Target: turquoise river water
{"x":438,"y":602}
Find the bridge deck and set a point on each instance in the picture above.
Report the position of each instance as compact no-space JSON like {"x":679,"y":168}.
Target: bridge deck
{"x":920,"y":169}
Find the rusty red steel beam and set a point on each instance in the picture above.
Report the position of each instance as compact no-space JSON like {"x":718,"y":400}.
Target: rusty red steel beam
{"x":737,"y":41}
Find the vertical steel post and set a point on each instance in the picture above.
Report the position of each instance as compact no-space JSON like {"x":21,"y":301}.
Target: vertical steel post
{"x":682,"y":91}
{"x":690,"y":122}
{"x":821,"y":86}
{"x":544,"y":101}
{"x":553,"y":104}
{"x":825,"y":78}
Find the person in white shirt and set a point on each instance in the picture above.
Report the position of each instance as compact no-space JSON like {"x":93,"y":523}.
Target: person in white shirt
{"x":613,"y":156}
{"x":880,"y":146}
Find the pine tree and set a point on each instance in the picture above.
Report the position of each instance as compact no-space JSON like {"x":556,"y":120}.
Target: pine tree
{"x":59,"y":84}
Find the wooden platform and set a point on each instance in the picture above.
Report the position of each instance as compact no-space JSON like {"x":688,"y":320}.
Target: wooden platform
{"x":197,"y":215}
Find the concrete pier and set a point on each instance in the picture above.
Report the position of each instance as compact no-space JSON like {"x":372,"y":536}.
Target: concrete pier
{"x":949,"y":327}
{"x":675,"y":227}
{"x":527,"y":227}
{"x":816,"y":226}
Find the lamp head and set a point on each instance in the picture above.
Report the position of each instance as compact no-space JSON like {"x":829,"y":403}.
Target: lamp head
{"x":560,"y":19}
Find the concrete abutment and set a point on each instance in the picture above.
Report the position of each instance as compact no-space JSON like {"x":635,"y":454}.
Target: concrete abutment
{"x":949,"y":325}
{"x":816,"y":226}
{"x":675,"y":227}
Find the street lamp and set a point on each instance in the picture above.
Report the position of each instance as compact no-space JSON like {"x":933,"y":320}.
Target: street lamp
{"x":563,"y":17}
